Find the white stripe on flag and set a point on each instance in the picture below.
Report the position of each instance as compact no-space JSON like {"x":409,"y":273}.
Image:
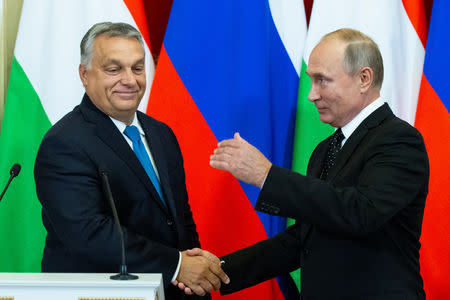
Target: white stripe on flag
{"x":290,"y":21}
{"x":48,"y":48}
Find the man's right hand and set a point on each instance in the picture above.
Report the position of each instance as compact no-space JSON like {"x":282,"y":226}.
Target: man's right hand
{"x":199,"y":273}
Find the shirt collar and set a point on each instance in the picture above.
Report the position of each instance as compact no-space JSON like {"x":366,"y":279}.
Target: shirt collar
{"x":121,"y":125}
{"x":351,"y":126}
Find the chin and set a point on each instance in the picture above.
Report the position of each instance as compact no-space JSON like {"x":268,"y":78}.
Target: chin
{"x":327,"y":121}
{"x":324,"y":119}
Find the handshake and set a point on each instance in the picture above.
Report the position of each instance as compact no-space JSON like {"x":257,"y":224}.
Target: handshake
{"x":200,"y":272}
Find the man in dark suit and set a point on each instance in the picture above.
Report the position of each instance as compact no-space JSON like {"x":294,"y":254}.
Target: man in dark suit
{"x":141,"y":156}
{"x":359,"y":209}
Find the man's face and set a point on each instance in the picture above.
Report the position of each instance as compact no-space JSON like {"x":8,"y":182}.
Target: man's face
{"x":336,"y":95}
{"x":116,"y":80}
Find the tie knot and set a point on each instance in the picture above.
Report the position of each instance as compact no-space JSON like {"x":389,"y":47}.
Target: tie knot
{"x":133,"y":133}
{"x":338,"y":137}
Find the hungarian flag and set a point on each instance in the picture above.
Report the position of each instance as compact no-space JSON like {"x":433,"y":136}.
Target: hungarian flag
{"x":225,"y":67}
{"x":433,"y":121}
{"x":398,"y":27}
{"x":44,"y":85}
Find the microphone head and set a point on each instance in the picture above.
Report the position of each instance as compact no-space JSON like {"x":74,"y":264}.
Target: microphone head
{"x":15,"y":170}
{"x":103,"y":170}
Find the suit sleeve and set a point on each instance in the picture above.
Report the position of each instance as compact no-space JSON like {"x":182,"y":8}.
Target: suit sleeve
{"x":263,"y":260}
{"x":390,"y":175}
{"x":70,"y":190}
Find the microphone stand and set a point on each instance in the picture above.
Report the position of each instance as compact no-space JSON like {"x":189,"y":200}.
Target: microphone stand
{"x":123,"y":274}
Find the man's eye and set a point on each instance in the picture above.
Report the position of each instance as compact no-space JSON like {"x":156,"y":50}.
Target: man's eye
{"x":138,"y":69}
{"x":112,"y":70}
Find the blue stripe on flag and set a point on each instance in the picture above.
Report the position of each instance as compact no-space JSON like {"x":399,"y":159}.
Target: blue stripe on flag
{"x":437,"y":60}
{"x":234,"y":65}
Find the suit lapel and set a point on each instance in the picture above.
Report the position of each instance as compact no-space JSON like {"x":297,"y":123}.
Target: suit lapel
{"x":355,"y":139}
{"x":108,"y":133}
{"x":318,"y":157}
{"x":152,"y":135}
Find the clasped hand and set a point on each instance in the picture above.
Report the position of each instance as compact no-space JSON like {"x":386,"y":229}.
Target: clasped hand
{"x":200,"y":272}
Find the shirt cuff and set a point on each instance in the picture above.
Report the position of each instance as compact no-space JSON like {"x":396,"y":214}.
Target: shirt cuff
{"x":177,"y":270}
{"x":264,"y":181}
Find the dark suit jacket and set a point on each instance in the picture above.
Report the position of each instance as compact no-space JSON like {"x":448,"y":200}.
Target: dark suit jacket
{"x":81,"y":233}
{"x":358,"y":232}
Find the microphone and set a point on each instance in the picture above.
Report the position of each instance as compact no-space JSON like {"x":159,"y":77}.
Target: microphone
{"x":15,"y":170}
{"x":123,"y":274}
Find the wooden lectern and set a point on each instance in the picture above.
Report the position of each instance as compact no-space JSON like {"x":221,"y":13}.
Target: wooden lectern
{"x":78,"y":286}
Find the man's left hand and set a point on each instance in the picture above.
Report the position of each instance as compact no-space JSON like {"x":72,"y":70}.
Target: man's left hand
{"x":198,"y":252}
{"x":242,"y":160}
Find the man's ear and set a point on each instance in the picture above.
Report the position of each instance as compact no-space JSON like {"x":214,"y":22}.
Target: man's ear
{"x":366,"y":79}
{"x":82,"y":71}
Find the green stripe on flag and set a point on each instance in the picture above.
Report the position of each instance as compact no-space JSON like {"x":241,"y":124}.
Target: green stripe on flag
{"x":24,"y":124}
{"x":309,"y":132}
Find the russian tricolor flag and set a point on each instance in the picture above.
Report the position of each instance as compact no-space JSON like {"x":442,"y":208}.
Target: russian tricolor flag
{"x":433,"y":121}
{"x":225,"y":67}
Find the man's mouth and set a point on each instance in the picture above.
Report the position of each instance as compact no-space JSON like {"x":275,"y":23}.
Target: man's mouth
{"x":126,"y":94}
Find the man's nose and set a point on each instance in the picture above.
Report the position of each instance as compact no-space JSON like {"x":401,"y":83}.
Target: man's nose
{"x":313,"y":93}
{"x":128,"y":77}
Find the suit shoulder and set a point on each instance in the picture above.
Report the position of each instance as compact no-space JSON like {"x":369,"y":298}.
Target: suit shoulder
{"x":398,"y":127}
{"x":71,"y":130}
{"x":394,"y":136}
{"x":67,"y":123}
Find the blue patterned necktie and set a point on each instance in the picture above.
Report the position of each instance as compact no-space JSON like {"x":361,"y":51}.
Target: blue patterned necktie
{"x":333,"y":149}
{"x":139,"y":149}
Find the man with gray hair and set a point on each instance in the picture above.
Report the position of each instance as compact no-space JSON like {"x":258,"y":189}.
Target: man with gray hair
{"x":359,"y":209}
{"x":141,"y":158}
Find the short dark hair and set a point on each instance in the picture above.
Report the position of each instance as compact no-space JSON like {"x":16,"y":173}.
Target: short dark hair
{"x":109,"y":29}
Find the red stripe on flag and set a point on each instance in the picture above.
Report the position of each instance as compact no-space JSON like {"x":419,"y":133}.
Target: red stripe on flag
{"x":225,"y":218}
{"x":415,"y":9}
{"x":137,"y":10}
{"x":433,"y":121}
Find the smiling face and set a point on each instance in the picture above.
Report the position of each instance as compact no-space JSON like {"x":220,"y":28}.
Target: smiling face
{"x":337,"y":96}
{"x":116,"y":80}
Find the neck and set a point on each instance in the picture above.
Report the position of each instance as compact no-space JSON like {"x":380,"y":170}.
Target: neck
{"x":127,"y":120}
{"x":370,"y":96}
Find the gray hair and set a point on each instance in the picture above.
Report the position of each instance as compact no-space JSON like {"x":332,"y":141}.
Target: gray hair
{"x":361,"y":51}
{"x":109,"y":29}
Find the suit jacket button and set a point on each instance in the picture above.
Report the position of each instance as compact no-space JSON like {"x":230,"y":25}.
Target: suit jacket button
{"x":169,"y":222}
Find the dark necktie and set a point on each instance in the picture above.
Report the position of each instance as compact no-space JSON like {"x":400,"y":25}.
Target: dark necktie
{"x":139,"y":149}
{"x":333,"y":149}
